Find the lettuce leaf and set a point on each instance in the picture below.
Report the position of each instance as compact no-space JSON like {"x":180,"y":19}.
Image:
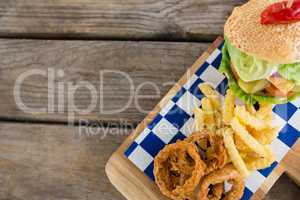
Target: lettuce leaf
{"x":249,"y":68}
{"x":225,"y":68}
{"x":290,"y":72}
{"x":239,"y":93}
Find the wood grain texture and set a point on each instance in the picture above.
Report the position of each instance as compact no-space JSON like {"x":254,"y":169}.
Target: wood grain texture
{"x":55,"y":163}
{"x":292,"y":164}
{"x":283,"y":189}
{"x":145,"y":63}
{"x":129,"y":19}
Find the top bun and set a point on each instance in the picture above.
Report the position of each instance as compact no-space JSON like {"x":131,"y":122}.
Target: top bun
{"x":279,"y":43}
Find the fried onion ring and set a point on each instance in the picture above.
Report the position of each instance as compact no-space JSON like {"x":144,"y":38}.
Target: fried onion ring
{"x":217,"y":191}
{"x":178,"y":169}
{"x":218,"y":158}
{"x":228,"y":173}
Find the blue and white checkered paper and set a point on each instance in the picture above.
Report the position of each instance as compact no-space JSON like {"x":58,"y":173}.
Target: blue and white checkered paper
{"x":175,"y":121}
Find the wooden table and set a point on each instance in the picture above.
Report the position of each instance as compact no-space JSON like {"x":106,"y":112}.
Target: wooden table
{"x":42,"y":155}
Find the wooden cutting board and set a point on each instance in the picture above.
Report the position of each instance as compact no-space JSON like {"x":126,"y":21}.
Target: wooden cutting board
{"x":135,"y":185}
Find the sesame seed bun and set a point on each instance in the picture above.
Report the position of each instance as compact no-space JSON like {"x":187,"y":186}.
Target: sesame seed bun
{"x":278,"y":43}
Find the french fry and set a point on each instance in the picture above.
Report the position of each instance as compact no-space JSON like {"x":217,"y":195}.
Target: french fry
{"x":213,"y":95}
{"x":245,"y":130}
{"x":261,"y":163}
{"x":228,"y":111}
{"x":265,"y":113}
{"x":240,"y":145}
{"x":233,"y":153}
{"x":250,"y":108}
{"x":199,"y":119}
{"x":243,"y":155}
{"x":218,"y":119}
{"x":266,"y":136}
{"x":209,"y":113}
{"x":220,"y":131}
{"x":248,"y":119}
{"x":247,"y":138}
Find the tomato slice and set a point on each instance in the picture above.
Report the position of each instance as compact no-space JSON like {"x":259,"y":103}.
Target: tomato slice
{"x":280,"y":13}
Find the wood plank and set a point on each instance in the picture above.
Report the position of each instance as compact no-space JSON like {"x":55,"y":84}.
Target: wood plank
{"x":283,"y":189}
{"x":291,"y":161}
{"x":55,"y":162}
{"x":130,"y":19}
{"x":151,"y":66}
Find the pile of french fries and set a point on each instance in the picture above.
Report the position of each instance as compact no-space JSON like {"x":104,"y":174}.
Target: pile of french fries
{"x":247,"y":132}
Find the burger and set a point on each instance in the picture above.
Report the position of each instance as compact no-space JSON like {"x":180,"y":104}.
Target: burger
{"x":261,"y":54}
